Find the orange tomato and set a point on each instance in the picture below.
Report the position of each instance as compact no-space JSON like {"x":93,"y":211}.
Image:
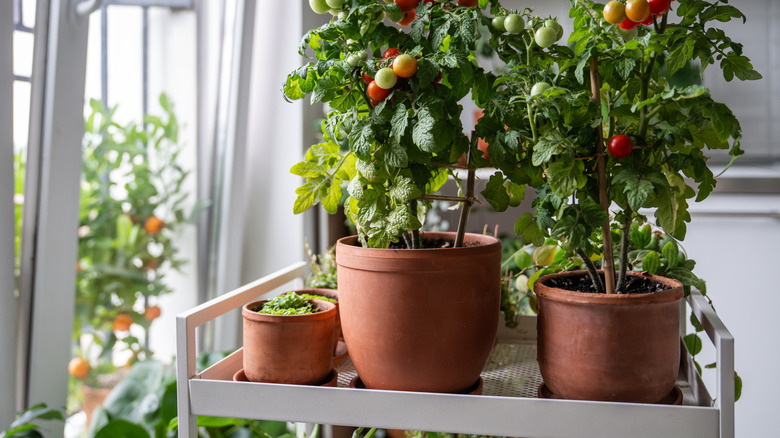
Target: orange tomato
{"x":408,"y":18}
{"x":152,"y":312}
{"x":78,"y":367}
{"x":407,"y":5}
{"x":405,"y":66}
{"x":122,"y":322}
{"x":153,"y":225}
{"x":637,"y":10}
{"x":614,"y":12}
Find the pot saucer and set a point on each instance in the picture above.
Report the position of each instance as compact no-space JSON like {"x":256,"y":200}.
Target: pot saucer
{"x":340,"y":354}
{"x":330,"y":380}
{"x":675,"y":397}
{"x":475,"y":389}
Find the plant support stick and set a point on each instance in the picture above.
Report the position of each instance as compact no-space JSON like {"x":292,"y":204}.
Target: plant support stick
{"x":609,"y":261}
{"x":464,"y":212}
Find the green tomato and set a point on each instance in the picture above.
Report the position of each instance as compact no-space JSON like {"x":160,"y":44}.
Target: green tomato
{"x":514,"y":23}
{"x":627,"y":34}
{"x":335,"y":4}
{"x":539,"y":88}
{"x":342,"y":15}
{"x":353,"y":60}
{"x":521,"y":284}
{"x":498,"y":23}
{"x":363,"y":55}
{"x":319,"y":6}
{"x":545,"y":37}
{"x":386,"y":78}
{"x":554,"y":25}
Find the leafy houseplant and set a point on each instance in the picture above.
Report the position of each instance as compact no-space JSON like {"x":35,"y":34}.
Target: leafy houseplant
{"x":132,"y":206}
{"x":392,"y":138}
{"x":611,"y":133}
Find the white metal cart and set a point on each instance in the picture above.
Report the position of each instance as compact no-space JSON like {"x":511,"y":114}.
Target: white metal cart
{"x":508,"y":406}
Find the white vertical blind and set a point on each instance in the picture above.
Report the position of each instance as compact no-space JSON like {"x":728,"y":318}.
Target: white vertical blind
{"x":7,"y":218}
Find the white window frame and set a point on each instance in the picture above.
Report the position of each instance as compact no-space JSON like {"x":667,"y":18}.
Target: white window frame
{"x":49,"y":240}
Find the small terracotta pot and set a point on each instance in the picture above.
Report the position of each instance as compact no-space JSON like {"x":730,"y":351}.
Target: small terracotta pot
{"x":293,"y":349}
{"x":333,"y":294}
{"x":618,"y":347}
{"x":420,"y":319}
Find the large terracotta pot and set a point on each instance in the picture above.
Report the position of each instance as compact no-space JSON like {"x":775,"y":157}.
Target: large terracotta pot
{"x":293,"y":349}
{"x":621,"y":347}
{"x":421,"y":319}
{"x":93,"y":399}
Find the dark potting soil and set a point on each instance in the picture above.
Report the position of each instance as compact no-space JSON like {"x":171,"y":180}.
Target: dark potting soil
{"x":634,"y":284}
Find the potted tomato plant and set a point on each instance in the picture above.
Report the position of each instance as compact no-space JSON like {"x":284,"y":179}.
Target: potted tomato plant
{"x":614,"y":137}
{"x":412,"y":304}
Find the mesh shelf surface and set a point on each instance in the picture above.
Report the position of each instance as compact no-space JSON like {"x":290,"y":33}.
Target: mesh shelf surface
{"x":511,"y":371}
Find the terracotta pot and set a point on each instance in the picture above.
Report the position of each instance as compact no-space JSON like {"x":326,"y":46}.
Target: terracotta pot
{"x":622,"y":347}
{"x":333,"y":294}
{"x":93,"y":399}
{"x":293,"y":349}
{"x":422,"y":319}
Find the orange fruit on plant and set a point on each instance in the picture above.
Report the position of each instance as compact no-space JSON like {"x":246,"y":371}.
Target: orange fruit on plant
{"x":408,"y":18}
{"x":152,"y":312}
{"x":405,"y":66}
{"x":614,"y":12}
{"x":78,"y":367}
{"x":122,"y":322}
{"x":637,"y":10}
{"x":153,"y":225}
{"x":468,"y":3}
{"x":407,"y":5}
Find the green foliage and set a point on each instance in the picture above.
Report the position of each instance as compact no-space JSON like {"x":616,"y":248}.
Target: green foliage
{"x":143,"y":405}
{"x":397,"y":150}
{"x":24,"y":425}
{"x":288,"y":304}
{"x":133,"y":204}
{"x":323,"y":268}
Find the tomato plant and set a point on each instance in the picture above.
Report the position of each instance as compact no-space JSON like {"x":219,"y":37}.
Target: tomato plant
{"x":408,"y":18}
{"x":377,"y":93}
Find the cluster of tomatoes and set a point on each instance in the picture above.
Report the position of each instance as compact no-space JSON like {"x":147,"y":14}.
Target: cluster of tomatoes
{"x":545,"y":36}
{"x":634,"y":12}
{"x":400,"y":65}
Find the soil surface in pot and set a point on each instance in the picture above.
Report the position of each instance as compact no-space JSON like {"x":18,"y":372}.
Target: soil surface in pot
{"x":634,"y":284}
{"x":430,"y":244}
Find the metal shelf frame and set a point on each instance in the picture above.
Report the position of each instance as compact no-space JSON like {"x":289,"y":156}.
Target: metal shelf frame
{"x":212,"y":392}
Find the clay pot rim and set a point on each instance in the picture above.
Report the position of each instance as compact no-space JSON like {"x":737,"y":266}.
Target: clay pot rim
{"x":322,"y":291}
{"x":249,"y":311}
{"x":346,"y":245}
{"x":675,"y":292}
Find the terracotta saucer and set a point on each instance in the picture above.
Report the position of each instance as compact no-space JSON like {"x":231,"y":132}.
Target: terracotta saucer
{"x":340,"y":354}
{"x":330,"y":380}
{"x":674,"y":398}
{"x":475,"y":389}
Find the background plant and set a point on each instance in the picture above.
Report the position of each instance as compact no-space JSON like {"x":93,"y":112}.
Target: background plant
{"x":132,"y":205}
{"x":25,"y":423}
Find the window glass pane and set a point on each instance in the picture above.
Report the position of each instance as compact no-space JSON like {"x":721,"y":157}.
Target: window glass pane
{"x":23,"y":53}
{"x":28,"y":15}
{"x":21,"y":114}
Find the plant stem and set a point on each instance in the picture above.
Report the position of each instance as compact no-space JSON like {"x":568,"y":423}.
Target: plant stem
{"x":601,"y":165}
{"x":594,"y":274}
{"x":464,"y":212}
{"x":415,"y":233}
{"x":625,"y":239}
{"x":408,"y":240}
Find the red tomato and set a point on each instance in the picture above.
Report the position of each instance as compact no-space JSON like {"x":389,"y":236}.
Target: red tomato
{"x":648,"y":21}
{"x":391,"y":52}
{"x":628,"y":24}
{"x":375,"y":92}
{"x":620,"y":146}
{"x":408,"y":18}
{"x":407,"y":5}
{"x":659,"y":7}
{"x":436,"y":80}
{"x":468,"y":3}
{"x":367,"y":79}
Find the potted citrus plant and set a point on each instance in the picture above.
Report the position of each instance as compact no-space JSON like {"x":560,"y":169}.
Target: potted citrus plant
{"x":412,"y":304}
{"x":613,"y":138}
